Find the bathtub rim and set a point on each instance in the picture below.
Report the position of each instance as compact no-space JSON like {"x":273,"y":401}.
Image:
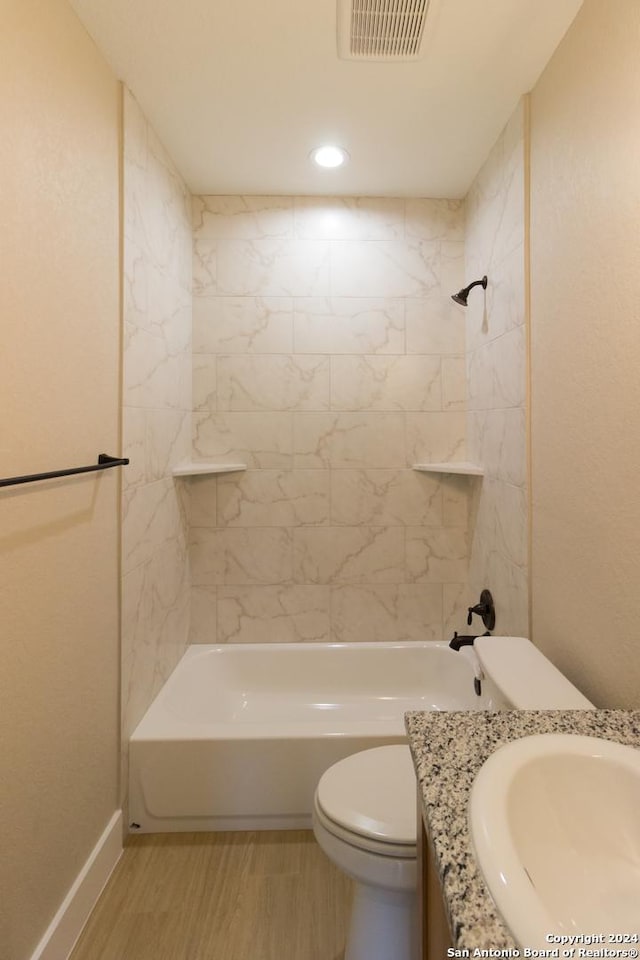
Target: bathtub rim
{"x":159,"y":724}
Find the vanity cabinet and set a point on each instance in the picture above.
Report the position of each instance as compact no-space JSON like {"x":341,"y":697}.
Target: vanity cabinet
{"x":434,"y":937}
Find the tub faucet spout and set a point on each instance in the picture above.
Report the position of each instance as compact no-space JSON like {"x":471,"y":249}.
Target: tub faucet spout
{"x":465,"y":641}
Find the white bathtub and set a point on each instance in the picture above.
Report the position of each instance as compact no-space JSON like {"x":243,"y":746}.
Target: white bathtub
{"x":240,"y":733}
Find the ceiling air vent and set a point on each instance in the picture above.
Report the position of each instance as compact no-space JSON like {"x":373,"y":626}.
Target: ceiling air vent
{"x":381,"y":29}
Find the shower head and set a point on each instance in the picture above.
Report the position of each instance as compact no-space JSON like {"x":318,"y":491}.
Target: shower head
{"x":461,"y":295}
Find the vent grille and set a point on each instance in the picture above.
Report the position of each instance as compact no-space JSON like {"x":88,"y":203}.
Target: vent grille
{"x":381,"y":29}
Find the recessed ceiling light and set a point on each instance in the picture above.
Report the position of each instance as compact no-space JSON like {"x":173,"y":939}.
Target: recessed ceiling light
{"x":329,"y":156}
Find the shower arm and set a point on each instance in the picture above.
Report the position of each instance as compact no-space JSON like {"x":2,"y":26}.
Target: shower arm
{"x":477,"y":283}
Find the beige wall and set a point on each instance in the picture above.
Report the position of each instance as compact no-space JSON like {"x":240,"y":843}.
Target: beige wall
{"x":496,"y":344}
{"x":59,"y":380}
{"x":329,"y":357}
{"x":156,"y":417}
{"x":585,"y":268}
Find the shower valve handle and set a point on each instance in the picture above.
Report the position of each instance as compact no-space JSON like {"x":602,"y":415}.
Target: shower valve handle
{"x":484,"y":609}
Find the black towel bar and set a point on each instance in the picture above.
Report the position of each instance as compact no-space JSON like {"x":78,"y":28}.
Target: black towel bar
{"x":104,"y":462}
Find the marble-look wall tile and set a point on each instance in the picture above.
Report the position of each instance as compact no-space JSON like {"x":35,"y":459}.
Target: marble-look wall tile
{"x":151,"y":515}
{"x":500,"y":443}
{"x":256,"y":439}
{"x":137,"y":686}
{"x":435,"y":324}
{"x":135,"y":278}
{"x":458,"y":497}
{"x":435,"y":437}
{"x":273,"y":383}
{"x":203,"y":625}
{"x":205,"y":267}
{"x":382,"y":612}
{"x":167,"y":441}
{"x":451,"y":268}
{"x":349,"y":218}
{"x":495,"y":208}
{"x":504,"y":301}
{"x":348,"y":554}
{"x":266,"y":498}
{"x":228,"y":325}
{"x":490,"y":200}
{"x":242,"y":218}
{"x":241,"y":555}
{"x":500,"y":550}
{"x":337,"y":440}
{"x":455,"y":606}
{"x":262,"y":268}
{"x":274,"y":614}
{"x":509,"y":517}
{"x":496,"y":372}
{"x":454,"y":383}
{"x":390,"y":268}
{"x":203,"y":493}
{"x":134,"y":441}
{"x":157,"y":376}
{"x":156,"y":603}
{"x":154,"y":376}
{"x":328,"y":359}
{"x":357,"y":325}
{"x":386,"y":383}
{"x":435,"y":219}
{"x":497,"y":377}
{"x":205,"y":378}
{"x":512,"y":588}
{"x":385,"y":498}
{"x":155,"y":626}
{"x":437,"y":554}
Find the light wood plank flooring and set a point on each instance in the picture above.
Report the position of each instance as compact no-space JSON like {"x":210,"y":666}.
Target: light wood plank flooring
{"x":269,"y":895}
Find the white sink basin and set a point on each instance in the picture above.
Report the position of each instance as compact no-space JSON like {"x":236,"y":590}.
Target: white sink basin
{"x":555,"y":825}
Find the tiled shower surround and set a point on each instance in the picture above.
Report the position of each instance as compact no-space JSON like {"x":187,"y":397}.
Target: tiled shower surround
{"x":328,"y":357}
{"x":497,"y":377}
{"x":156,"y":416}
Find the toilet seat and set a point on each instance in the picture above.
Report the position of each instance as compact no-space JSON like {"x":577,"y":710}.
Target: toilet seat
{"x":383,"y":848}
{"x":369,"y":801}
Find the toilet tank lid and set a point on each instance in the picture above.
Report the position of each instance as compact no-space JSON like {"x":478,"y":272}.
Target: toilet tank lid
{"x":525,"y":677}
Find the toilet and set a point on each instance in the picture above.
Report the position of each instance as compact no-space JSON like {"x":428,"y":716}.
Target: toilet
{"x":364,"y":818}
{"x":365,"y":807}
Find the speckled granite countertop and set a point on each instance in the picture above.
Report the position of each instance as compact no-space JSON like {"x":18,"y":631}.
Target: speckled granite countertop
{"x":448,"y":750}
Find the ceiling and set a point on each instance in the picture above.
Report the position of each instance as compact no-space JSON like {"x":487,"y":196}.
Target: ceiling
{"x":240,"y":91}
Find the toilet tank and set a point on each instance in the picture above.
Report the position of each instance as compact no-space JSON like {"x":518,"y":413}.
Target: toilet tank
{"x":517,"y":672}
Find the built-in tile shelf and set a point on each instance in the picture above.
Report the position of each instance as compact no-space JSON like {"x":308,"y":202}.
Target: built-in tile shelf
{"x":201,"y":469}
{"x":463,"y":468}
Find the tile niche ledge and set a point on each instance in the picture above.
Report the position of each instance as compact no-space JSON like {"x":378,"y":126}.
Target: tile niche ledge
{"x":463,"y":468}
{"x":202,"y":469}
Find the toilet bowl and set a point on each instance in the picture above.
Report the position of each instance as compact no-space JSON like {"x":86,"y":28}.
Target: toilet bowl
{"x":365,"y":808}
{"x":364,"y":818}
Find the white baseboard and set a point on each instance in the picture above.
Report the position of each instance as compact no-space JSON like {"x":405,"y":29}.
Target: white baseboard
{"x":65,"y":928}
